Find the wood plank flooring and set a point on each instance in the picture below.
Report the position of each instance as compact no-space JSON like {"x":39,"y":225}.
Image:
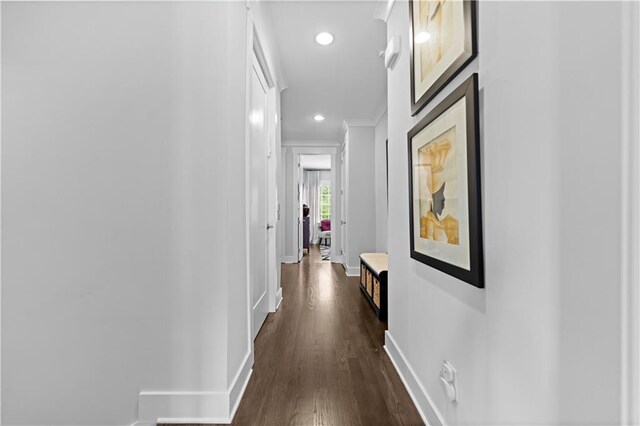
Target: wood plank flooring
{"x":319,"y":359}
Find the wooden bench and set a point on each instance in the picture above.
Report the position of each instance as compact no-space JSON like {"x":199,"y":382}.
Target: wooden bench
{"x":373,"y":281}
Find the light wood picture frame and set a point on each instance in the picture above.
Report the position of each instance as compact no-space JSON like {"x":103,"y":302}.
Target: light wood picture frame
{"x":442,"y":42}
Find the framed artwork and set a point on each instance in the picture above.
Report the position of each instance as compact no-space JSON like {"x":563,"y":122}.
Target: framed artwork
{"x":444,"y":186}
{"x":386,"y":156}
{"x":442,"y":42}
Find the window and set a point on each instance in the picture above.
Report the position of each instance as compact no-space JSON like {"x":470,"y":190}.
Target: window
{"x":325,"y":202}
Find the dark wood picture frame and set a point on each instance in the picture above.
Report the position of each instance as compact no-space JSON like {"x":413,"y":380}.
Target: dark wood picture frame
{"x":474,"y":276}
{"x":470,"y":52}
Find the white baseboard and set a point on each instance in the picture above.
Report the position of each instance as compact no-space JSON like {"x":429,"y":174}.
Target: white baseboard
{"x":278,"y":298}
{"x":290,"y":259}
{"x":194,"y":407}
{"x":239,"y":384}
{"x":428,"y":411}
{"x":162,"y":406}
{"x":190,"y":420}
{"x":352,"y":271}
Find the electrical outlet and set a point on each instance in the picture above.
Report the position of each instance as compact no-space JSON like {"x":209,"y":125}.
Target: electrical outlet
{"x":448,"y":380}
{"x":447,"y":372}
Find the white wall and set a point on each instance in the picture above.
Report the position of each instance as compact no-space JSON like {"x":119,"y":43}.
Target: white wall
{"x":290,"y":249}
{"x":119,"y":241}
{"x":541,"y":344}
{"x":381,"y":135}
{"x":361,"y":206}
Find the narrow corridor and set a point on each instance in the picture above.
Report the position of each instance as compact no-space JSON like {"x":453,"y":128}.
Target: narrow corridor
{"x":319,"y":358}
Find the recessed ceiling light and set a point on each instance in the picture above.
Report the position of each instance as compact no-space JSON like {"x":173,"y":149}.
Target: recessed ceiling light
{"x":422,"y":37}
{"x":318,"y":117}
{"x":324,"y":38}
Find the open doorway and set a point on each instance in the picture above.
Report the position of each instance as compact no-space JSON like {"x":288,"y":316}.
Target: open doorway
{"x":316,"y":197}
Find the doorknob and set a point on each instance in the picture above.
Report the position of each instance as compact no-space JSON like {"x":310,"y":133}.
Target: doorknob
{"x":343,"y":222}
{"x":269,"y":226}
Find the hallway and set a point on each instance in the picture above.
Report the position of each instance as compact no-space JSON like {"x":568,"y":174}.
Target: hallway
{"x":319,"y":358}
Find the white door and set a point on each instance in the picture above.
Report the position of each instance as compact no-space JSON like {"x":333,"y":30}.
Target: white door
{"x":272,"y":202}
{"x":258,"y":237}
{"x":343,"y":205}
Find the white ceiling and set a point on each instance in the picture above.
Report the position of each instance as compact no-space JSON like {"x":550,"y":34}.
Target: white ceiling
{"x":316,"y":162}
{"x":344,"y":80}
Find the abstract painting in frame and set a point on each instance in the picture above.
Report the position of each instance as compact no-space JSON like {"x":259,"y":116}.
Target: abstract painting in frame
{"x":442,"y":43}
{"x":444,"y":186}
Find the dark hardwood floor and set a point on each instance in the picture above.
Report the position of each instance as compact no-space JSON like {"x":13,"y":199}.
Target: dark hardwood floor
{"x":319,"y":359}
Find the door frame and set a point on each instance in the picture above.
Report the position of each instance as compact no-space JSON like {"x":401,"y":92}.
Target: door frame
{"x":630,"y":218}
{"x":344,"y":204}
{"x":299,"y":204}
{"x":259,"y":149}
{"x":254,"y":47}
{"x":0,"y":217}
{"x":335,"y":180}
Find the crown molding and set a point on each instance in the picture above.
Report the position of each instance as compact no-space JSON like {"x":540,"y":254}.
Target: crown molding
{"x":381,"y":112}
{"x":360,"y":122}
{"x":309,"y":143}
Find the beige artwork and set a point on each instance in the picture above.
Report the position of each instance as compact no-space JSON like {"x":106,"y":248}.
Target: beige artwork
{"x":438,"y":190}
{"x":436,"y":18}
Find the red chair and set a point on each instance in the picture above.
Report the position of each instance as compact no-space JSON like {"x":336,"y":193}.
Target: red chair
{"x":325,"y":232}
